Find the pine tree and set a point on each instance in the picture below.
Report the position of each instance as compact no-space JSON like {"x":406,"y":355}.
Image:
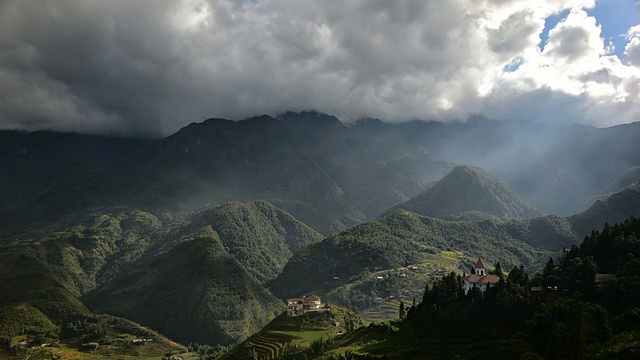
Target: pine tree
{"x":498,"y":271}
{"x":402,"y":311}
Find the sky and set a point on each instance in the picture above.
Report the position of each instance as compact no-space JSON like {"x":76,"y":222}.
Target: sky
{"x":150,"y":67}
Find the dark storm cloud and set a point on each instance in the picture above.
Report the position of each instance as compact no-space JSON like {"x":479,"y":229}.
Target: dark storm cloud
{"x":150,"y":67}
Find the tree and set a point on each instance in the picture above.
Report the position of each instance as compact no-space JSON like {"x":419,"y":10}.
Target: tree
{"x":402,"y":311}
{"x":498,"y":271}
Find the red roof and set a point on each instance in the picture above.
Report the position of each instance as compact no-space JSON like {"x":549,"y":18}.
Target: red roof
{"x":483,"y":279}
{"x":311,"y":298}
{"x":480,"y":264}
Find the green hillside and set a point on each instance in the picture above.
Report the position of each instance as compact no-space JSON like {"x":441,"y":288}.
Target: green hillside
{"x":39,"y":310}
{"x":239,"y":245}
{"x":193,"y":292}
{"x":259,"y":235}
{"x":88,"y":254}
{"x":405,"y":238}
{"x":469,"y":193}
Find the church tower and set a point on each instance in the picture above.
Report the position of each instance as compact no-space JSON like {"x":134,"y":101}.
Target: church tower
{"x":480,"y":268}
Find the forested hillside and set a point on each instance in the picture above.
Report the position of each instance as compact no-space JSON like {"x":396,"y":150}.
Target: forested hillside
{"x":129,"y":263}
{"x":404,"y":238}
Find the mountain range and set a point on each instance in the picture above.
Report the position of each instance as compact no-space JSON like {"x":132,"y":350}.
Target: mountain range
{"x":201,"y":235}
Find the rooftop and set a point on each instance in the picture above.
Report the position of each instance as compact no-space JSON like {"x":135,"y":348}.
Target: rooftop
{"x":483,"y":279}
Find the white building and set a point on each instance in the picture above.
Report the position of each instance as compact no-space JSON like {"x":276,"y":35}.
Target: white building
{"x":480,"y":278}
{"x":303,"y":305}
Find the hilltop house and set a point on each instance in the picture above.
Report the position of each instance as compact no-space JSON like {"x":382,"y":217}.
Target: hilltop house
{"x":480,"y":278}
{"x":303,"y":305}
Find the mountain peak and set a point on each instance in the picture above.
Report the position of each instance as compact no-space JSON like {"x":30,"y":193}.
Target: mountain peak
{"x":470,"y":193}
{"x":310,"y":119}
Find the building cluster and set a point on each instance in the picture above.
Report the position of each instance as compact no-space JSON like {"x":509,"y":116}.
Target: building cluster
{"x":304,"y":305}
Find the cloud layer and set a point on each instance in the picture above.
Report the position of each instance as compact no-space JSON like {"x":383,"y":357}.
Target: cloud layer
{"x":151,"y":67}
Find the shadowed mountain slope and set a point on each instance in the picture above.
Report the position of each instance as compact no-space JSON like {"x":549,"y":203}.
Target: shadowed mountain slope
{"x":39,"y":307}
{"x":613,"y":209}
{"x":194,"y":292}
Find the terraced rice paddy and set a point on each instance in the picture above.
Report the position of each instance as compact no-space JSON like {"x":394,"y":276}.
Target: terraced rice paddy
{"x":277,"y":344}
{"x":387,"y":309}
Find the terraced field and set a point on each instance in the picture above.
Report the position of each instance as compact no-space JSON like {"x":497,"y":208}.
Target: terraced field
{"x":277,"y":344}
{"x":380,"y":292}
{"x":387,"y":309}
{"x":285,"y":337}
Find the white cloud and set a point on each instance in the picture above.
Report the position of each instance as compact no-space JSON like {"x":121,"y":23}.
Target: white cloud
{"x":632,"y":50}
{"x":154,"y":66}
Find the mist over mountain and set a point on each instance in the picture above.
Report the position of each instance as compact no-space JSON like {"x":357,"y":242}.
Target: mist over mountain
{"x":551,"y":165}
{"x":330,"y":174}
{"x":629,"y":179}
{"x":468,"y":193}
{"x":28,"y":158}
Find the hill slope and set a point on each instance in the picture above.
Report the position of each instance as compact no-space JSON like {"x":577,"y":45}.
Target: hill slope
{"x":613,"y":209}
{"x":405,"y":238}
{"x":469,"y":193}
{"x":194,"y":292}
{"x":38,"y":309}
{"x":259,"y":235}
{"x":227,"y":250}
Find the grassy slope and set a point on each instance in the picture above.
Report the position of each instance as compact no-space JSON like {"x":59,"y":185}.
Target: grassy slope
{"x":203,"y":284}
{"x":88,"y":254}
